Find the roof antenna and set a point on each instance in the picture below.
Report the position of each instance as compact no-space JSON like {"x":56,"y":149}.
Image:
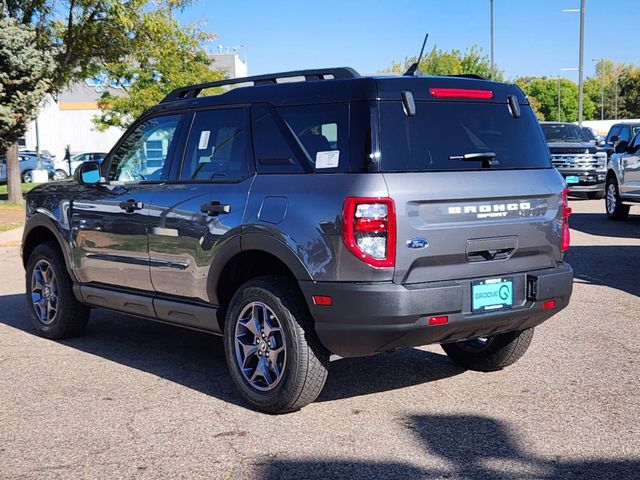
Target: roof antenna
{"x":413,"y":69}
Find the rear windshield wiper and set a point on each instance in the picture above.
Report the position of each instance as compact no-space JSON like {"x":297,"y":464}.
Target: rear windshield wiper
{"x":487,"y":158}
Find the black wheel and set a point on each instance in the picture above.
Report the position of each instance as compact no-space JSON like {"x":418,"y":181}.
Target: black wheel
{"x":55,"y":312}
{"x":486,"y":354}
{"x":615,"y":209}
{"x":27,"y":176}
{"x":274,"y":357}
{"x":595,"y":195}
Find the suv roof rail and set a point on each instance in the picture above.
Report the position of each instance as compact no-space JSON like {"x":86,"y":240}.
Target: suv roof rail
{"x":193,"y":91}
{"x":468,"y":75}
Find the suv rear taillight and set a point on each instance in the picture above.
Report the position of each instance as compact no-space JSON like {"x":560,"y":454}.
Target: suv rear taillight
{"x":566,"y":211}
{"x":369,"y":229}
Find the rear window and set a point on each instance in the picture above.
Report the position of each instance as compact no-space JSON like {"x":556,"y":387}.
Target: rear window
{"x":441,"y":130}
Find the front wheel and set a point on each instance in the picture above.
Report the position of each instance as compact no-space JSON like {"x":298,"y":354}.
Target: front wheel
{"x":55,"y":312}
{"x":59,"y":175}
{"x":273,"y":355}
{"x":27,"y":177}
{"x":613,"y":203}
{"x":486,"y":354}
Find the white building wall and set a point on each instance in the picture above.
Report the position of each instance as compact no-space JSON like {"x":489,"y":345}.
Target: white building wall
{"x":59,"y":128}
{"x":70,"y":120}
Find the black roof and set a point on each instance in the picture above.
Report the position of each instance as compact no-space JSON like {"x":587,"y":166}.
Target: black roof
{"x":328,"y":85}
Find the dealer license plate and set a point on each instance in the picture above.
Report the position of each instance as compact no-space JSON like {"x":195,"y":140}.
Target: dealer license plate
{"x":491,"y":294}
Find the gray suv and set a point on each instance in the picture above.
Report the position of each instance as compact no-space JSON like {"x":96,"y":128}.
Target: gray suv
{"x":331,"y":214}
{"x":623,"y":179}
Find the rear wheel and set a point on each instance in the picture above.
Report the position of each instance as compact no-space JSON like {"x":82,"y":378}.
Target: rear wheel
{"x":273,"y":355}
{"x":613,"y":203}
{"x":55,"y":312}
{"x":486,"y":354}
{"x":27,"y":177}
{"x":595,"y":195}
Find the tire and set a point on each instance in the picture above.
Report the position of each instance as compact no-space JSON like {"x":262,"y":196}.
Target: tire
{"x":595,"y":195}
{"x":67,"y":317}
{"x":490,"y":353}
{"x":27,"y":176}
{"x":293,"y":366}
{"x":613,"y":203}
{"x":59,"y":175}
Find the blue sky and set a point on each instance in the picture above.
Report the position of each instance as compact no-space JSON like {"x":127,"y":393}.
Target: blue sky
{"x":532,"y":37}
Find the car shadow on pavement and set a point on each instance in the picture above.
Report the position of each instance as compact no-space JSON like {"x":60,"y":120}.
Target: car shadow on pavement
{"x":196,"y":360}
{"x":470,"y":447}
{"x":352,"y":377}
{"x":609,"y":265}
{"x":599,"y":225}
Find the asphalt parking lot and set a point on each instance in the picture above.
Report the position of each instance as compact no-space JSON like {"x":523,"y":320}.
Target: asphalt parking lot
{"x":139,"y":399}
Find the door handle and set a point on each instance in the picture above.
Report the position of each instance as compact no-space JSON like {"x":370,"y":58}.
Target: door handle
{"x":131,"y":206}
{"x":215,"y":208}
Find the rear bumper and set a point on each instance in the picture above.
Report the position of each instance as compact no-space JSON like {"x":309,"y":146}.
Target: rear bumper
{"x":365,"y":319}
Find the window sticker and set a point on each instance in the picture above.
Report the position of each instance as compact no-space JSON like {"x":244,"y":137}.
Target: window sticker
{"x":204,"y":139}
{"x":328,"y":159}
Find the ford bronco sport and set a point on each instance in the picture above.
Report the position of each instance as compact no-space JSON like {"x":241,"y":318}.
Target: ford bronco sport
{"x":333,"y":214}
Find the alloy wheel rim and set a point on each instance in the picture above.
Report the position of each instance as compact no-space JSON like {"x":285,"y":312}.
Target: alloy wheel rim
{"x":611,"y":198}
{"x":44,"y":292}
{"x":260,"y":346}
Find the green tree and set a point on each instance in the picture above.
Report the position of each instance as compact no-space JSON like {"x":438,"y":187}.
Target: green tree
{"x":609,"y":77}
{"x":451,"y":62}
{"x":24,"y":73}
{"x":630,"y":94}
{"x":85,"y":36}
{"x":545,"y":92}
{"x":173,"y":59}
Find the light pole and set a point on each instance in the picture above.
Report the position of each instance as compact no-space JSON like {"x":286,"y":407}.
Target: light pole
{"x":581,"y":62}
{"x":558,"y":97}
{"x":492,"y":48}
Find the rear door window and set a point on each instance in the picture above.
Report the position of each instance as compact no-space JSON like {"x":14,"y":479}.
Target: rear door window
{"x":323,"y":133}
{"x":219,"y":146}
{"x":441,"y":131}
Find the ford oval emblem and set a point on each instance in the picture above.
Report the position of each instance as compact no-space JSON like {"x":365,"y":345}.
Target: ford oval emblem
{"x":417,"y":243}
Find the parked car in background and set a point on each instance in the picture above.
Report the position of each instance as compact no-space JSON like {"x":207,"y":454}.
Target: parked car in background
{"x":623,"y":178}
{"x":582,"y":164}
{"x":620,"y":132}
{"x":62,"y":165}
{"x":28,"y":163}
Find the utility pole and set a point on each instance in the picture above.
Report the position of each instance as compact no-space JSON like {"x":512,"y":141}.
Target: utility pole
{"x":558,"y":97}
{"x":581,"y":66}
{"x":615,"y":115}
{"x":492,"y":47}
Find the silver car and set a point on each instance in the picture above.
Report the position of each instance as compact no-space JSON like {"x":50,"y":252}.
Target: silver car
{"x":623,"y":179}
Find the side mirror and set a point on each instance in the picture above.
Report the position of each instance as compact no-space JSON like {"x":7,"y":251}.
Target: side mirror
{"x":601,"y":143}
{"x":87,"y":173}
{"x":614,"y":139}
{"x":621,"y":147}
